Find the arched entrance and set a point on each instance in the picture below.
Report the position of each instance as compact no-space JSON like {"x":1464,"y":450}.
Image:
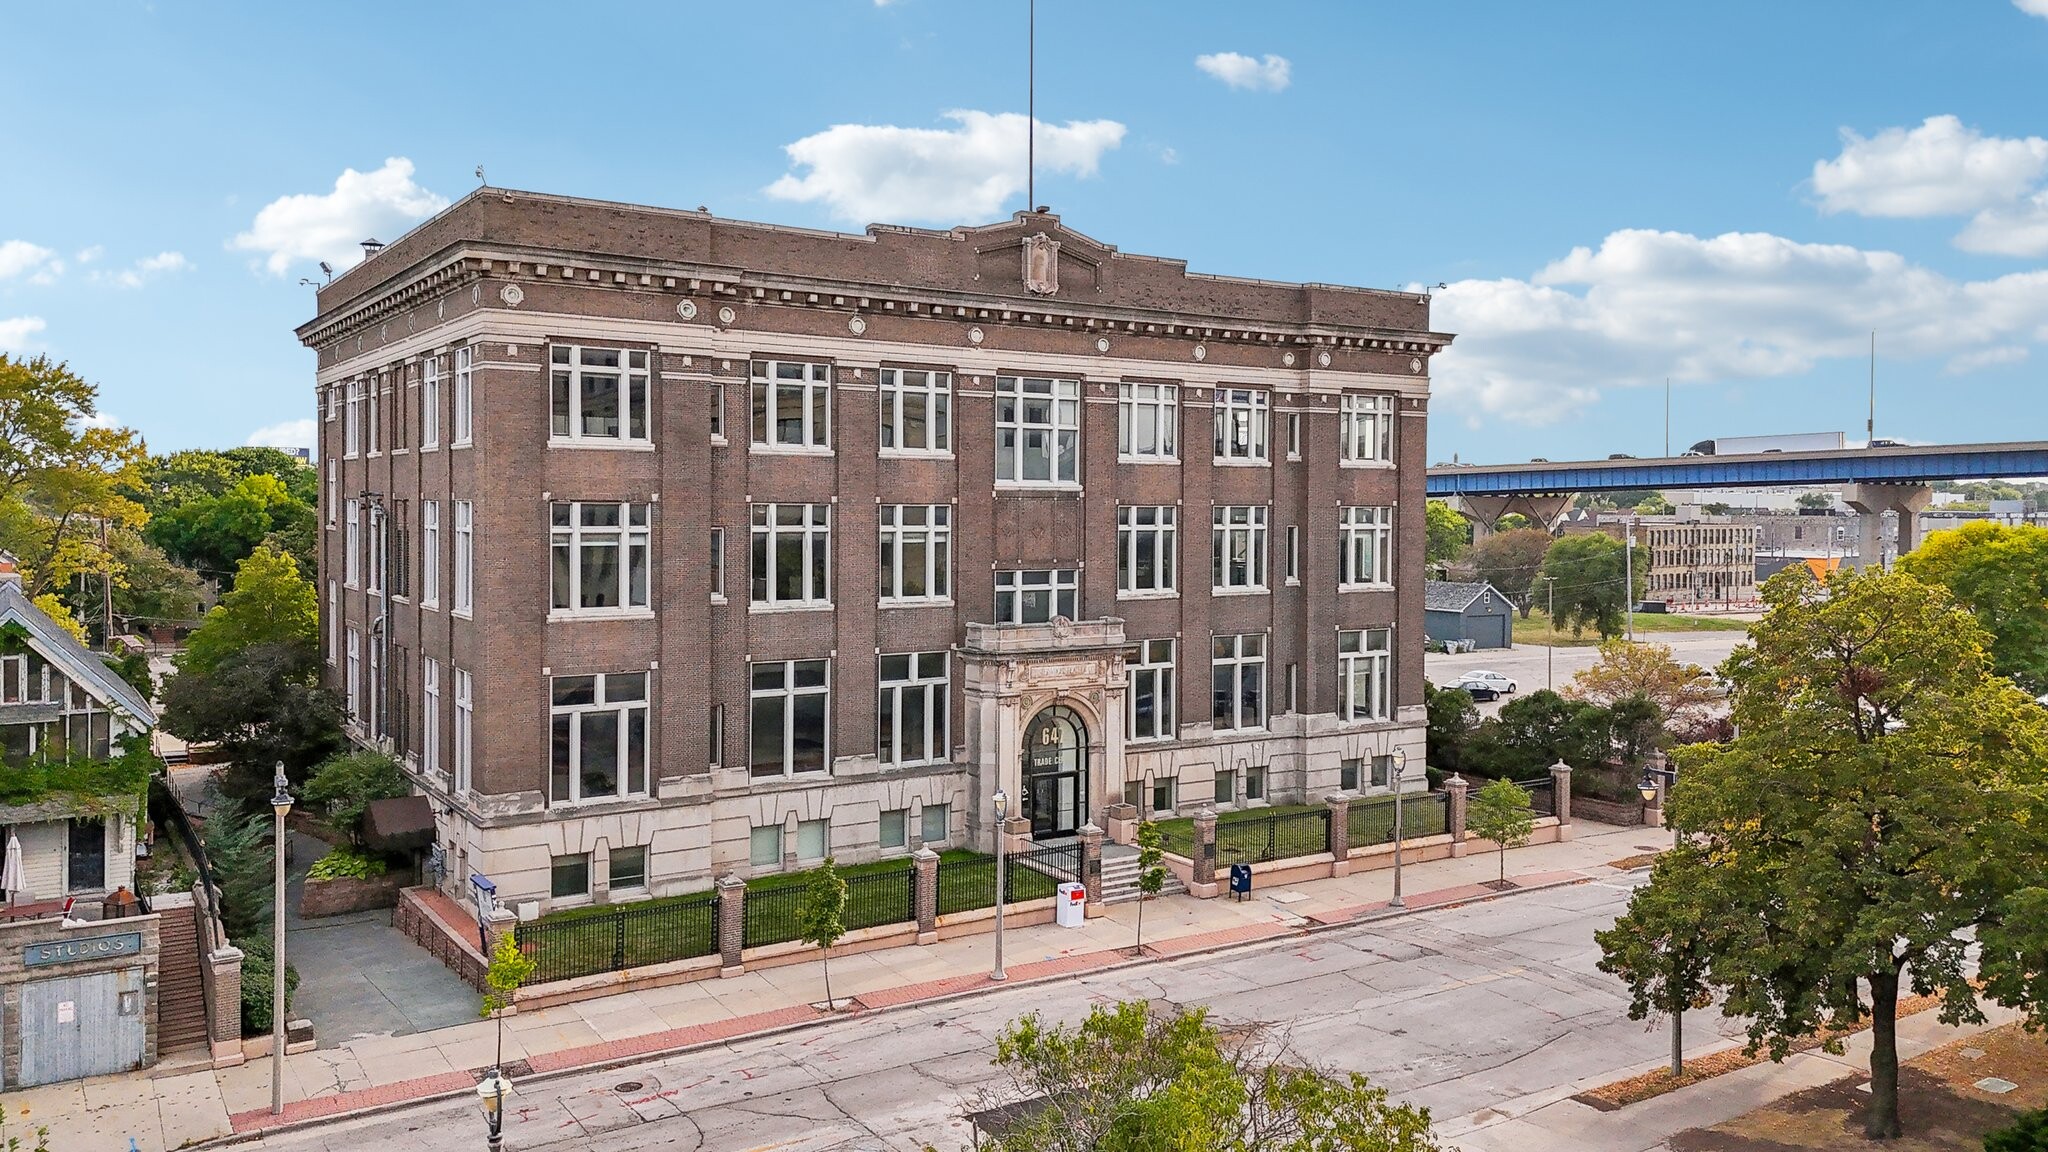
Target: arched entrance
{"x":1056,"y":772}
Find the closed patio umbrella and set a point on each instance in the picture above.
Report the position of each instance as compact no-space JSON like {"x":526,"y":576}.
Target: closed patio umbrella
{"x":11,"y":876}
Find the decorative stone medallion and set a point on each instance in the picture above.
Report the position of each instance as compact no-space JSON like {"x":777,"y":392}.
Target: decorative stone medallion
{"x":1287,"y":358}
{"x":687,"y":309}
{"x":512,"y":294}
{"x":1415,"y":364}
{"x":1323,"y":358}
{"x":727,"y":316}
{"x":1201,"y":351}
{"x":856,"y":325}
{"x":975,"y":336}
{"x":1102,"y":343}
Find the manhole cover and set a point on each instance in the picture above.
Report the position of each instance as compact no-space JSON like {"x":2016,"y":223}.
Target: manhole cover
{"x":628,"y":1086}
{"x":1995,"y":1086}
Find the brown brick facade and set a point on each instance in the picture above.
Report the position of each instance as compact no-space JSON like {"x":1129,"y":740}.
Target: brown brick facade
{"x":510,"y":275}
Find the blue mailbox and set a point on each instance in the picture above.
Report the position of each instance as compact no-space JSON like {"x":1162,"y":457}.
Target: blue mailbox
{"x":1240,"y":880}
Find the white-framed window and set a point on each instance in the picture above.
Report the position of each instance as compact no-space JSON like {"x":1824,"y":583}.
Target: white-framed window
{"x":764,"y":846}
{"x":430,"y":715}
{"x":465,"y":707}
{"x":569,"y":876}
{"x":1149,"y":672}
{"x":355,"y":674}
{"x":1368,"y":423}
{"x":1294,"y":688}
{"x":938,"y":824}
{"x":1294,"y":435}
{"x":627,"y":868}
{"x":789,"y":703}
{"x":1254,"y":784}
{"x":1237,"y":666}
{"x":352,"y":559}
{"x":792,"y":554}
{"x":1294,"y":553}
{"x":717,"y":400}
{"x":371,"y":390}
{"x":1238,"y":546}
{"x":895,"y":829}
{"x":333,"y":622}
{"x":813,"y":839}
{"x":330,"y":402}
{"x":1365,"y":667}
{"x":911,"y":712}
{"x":465,"y":556}
{"x":352,"y":428}
{"x":598,"y":394}
{"x":917,"y":410}
{"x":718,"y":564}
{"x":430,"y":403}
{"x":716,"y":737}
{"x":601,"y":557}
{"x":373,"y":547}
{"x":333,"y":491}
{"x":1038,"y":430}
{"x":598,"y":741}
{"x":1226,"y":786}
{"x":1241,"y":419}
{"x":792,"y":404}
{"x":1146,"y":546}
{"x":1383,"y":771}
{"x":430,"y":553}
{"x":1148,"y":421}
{"x":917,"y":552}
{"x":463,"y":390}
{"x":1035,"y":596}
{"x":1366,"y":539}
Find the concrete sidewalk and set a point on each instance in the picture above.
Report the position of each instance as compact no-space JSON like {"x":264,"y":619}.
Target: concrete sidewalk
{"x":173,"y":1109}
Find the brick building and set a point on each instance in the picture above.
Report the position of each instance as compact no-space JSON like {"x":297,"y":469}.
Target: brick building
{"x":662,"y":546}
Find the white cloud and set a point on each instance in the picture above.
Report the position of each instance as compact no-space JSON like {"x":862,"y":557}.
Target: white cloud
{"x":100,"y":420}
{"x":2032,"y":7}
{"x":138,"y":273}
{"x":21,"y":258}
{"x":331,"y":226}
{"x":879,"y":172}
{"x":1271,"y":73}
{"x":1996,"y":357}
{"x":14,"y":332}
{"x":290,"y":434}
{"x":2017,"y":229}
{"x":88,"y":255}
{"x":1941,"y":168}
{"x":1646,"y":305}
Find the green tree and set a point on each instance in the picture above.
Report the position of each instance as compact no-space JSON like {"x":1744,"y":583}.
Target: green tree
{"x":2000,"y":573}
{"x":2027,"y":1133}
{"x":509,"y":970}
{"x":1130,"y":1078}
{"x":1448,"y":534}
{"x":151,"y":588}
{"x":271,"y":604}
{"x":260,"y":705}
{"x":1151,"y":873}
{"x":1510,"y":561}
{"x":1815,"y":501}
{"x":1637,"y":729}
{"x":821,"y":920}
{"x":1589,"y":570}
{"x":344,"y":784}
{"x":216,"y":533}
{"x":1500,"y":812}
{"x":1663,"y":946}
{"x":1654,"y":505}
{"x":1452,"y":716}
{"x":1533,"y":732}
{"x":1887,"y":798}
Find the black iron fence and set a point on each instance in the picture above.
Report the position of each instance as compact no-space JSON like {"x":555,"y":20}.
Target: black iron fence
{"x":1256,"y":837}
{"x":588,"y":942}
{"x":772,"y":915}
{"x":1542,"y":795}
{"x":969,"y":883}
{"x":1370,"y":822}
{"x":165,"y":809}
{"x":877,"y":898}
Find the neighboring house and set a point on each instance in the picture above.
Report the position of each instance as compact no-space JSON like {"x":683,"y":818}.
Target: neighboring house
{"x":1457,"y":611}
{"x":58,"y":699}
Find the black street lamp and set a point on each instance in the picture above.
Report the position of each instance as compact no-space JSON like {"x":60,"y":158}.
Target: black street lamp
{"x":490,"y":1094}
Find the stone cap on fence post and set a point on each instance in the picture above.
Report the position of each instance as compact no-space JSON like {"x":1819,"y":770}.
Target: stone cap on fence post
{"x":732,"y":923}
{"x":1091,"y":867}
{"x":1204,"y":869}
{"x":924,"y":876}
{"x":1122,"y":822}
{"x":1561,"y":797}
{"x":1338,"y":842}
{"x":224,"y":1008}
{"x":1455,"y":819}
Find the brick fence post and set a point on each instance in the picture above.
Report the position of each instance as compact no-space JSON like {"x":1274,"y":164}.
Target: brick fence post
{"x":1456,"y":786}
{"x":1339,"y":840}
{"x":732,"y":923}
{"x":924,"y":865}
{"x":1205,"y":853}
{"x":1091,"y":867}
{"x":1561,"y":797}
{"x":224,"y":1011}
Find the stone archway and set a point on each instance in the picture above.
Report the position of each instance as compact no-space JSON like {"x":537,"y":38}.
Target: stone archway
{"x":1056,"y":772}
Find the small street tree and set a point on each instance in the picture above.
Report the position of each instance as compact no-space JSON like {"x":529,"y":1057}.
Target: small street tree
{"x":1500,"y":812}
{"x":1590,"y":571}
{"x":821,"y":920}
{"x":1887,"y":799}
{"x":1448,"y":533}
{"x":509,"y":970}
{"x":1133,"y":1078}
{"x":1509,"y":560}
{"x":1151,"y":873}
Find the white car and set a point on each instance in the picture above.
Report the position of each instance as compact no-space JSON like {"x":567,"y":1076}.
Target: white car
{"x":1492,"y":682}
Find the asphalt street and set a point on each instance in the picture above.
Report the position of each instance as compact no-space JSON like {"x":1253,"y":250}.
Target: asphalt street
{"x":1526,"y":664}
{"x":1460,"y":1010}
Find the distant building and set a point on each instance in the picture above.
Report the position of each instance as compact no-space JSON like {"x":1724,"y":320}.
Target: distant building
{"x":1454,"y":610}
{"x":1695,"y":559}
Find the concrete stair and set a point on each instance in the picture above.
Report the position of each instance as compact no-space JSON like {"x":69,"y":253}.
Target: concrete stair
{"x":1120,"y":880}
{"x":180,"y":995}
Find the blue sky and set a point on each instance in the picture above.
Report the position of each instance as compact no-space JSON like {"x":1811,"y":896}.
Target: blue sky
{"x":1733,"y":195}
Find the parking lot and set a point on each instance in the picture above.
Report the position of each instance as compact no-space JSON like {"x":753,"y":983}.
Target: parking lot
{"x":1526,"y":664}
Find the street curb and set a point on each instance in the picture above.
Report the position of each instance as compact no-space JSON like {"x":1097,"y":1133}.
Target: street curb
{"x":1295,"y":932}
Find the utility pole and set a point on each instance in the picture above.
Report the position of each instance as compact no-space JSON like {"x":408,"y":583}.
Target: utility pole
{"x":1031,"y":109}
{"x":1870,"y":423}
{"x":1550,"y":649}
{"x":1628,"y":579}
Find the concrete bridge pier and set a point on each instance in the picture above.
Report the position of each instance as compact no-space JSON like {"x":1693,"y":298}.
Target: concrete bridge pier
{"x":1870,"y":501}
{"x":1543,"y":510}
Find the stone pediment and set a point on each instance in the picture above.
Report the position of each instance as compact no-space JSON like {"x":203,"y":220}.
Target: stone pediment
{"x":1075,"y":636}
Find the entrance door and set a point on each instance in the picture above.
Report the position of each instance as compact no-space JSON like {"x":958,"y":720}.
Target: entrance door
{"x":81,"y":1026}
{"x":1056,"y":773}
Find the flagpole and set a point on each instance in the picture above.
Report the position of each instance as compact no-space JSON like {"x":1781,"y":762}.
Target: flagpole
{"x":1031,"y":108}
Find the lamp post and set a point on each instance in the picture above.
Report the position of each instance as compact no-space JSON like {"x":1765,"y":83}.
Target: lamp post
{"x":1549,"y":649}
{"x":1400,"y":780}
{"x":1628,"y":579}
{"x":1655,"y":787}
{"x":281,"y":804}
{"x":490,"y":1094}
{"x":1002,"y":800}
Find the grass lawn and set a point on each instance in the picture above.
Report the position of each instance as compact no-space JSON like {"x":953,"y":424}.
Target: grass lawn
{"x":1243,"y":835}
{"x":1536,"y":629}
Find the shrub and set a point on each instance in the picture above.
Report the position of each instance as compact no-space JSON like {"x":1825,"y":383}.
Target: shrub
{"x":347,"y":864}
{"x":2028,"y":1133}
{"x":256,"y":990}
{"x":343,"y":786}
